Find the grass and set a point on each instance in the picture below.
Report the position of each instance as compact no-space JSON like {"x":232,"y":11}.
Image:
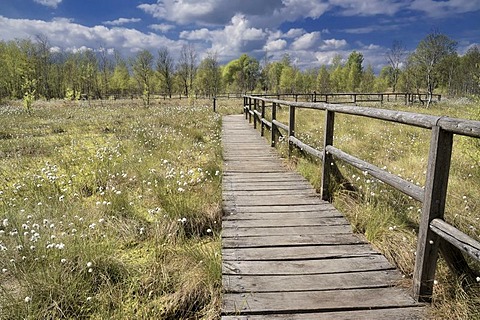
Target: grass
{"x":110,"y":210}
{"x":388,"y":218}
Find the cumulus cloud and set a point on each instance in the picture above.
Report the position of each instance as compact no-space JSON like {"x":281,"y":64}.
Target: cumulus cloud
{"x":294,"y":33}
{"x":162,"y":27}
{"x":73,"y":37}
{"x":121,"y":21}
{"x":235,"y":38}
{"x":333,"y":44}
{"x":275,"y":45}
{"x":306,"y":41}
{"x":49,"y":3}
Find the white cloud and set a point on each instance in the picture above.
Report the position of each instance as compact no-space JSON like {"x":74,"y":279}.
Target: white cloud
{"x":70,"y":36}
{"x":333,"y":44}
{"x":368,"y":8}
{"x":306,"y":41}
{"x":445,"y":8}
{"x":235,"y":38}
{"x":294,"y":33}
{"x":121,"y":21}
{"x":49,"y":3}
{"x":162,"y":27}
{"x":275,"y":45}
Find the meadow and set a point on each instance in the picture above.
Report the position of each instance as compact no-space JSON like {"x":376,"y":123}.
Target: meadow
{"x":388,"y":218}
{"x":112,"y":210}
{"x":109,"y":210}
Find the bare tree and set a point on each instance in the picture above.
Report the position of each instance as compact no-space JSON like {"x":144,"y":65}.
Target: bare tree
{"x":395,"y":57}
{"x":165,"y":69}
{"x":142,"y":71}
{"x":187,"y":67}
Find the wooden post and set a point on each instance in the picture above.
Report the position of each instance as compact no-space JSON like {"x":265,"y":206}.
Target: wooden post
{"x":245,"y":103}
{"x":262,"y":130}
{"x":255,"y":103}
{"x":274,"y":127}
{"x":314,"y":96}
{"x":354,"y":99}
{"x":433,"y":207}
{"x":327,"y":158}
{"x":249,"y":109}
{"x":214,"y":104}
{"x":291,"y":129}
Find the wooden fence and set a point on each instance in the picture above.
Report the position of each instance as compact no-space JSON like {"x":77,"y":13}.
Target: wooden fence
{"x":434,"y":233}
{"x":354,"y":98}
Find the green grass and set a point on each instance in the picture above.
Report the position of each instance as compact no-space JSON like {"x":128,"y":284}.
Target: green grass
{"x":388,"y":218}
{"x":111,"y":210}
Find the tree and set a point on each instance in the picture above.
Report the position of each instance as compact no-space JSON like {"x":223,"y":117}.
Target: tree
{"x":429,"y":54}
{"x":142,"y":71}
{"x":395,"y":57}
{"x":208,"y":79}
{"x":337,"y":76}
{"x":120,"y":77}
{"x":287,"y":80}
{"x":323,"y":80}
{"x":187,"y":67}
{"x":367,"y":83}
{"x":354,"y":71}
{"x":165,"y":69}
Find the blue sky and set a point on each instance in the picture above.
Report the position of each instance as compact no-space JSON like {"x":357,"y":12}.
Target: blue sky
{"x":311,"y":31}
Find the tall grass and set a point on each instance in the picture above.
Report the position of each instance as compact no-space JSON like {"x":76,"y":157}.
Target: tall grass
{"x":110,"y":210}
{"x":388,"y":218}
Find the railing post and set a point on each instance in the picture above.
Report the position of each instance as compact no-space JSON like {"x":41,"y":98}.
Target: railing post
{"x":327,"y":158}
{"x":249,"y":109}
{"x":433,"y":207}
{"x":262,"y":130}
{"x":214,"y":104}
{"x":245,"y":103}
{"x":274,"y":126}
{"x":255,"y":103}
{"x":291,"y":129}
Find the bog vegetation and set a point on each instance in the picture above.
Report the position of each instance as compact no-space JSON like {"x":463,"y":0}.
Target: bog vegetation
{"x":110,"y":212}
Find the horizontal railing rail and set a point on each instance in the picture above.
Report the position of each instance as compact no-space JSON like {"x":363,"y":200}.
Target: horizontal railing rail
{"x":434,"y":232}
{"x":355,"y":97}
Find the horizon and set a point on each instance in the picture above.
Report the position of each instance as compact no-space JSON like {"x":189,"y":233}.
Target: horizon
{"x":311,"y":32}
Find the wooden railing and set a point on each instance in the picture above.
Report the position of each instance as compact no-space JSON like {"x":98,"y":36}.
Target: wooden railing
{"x":434,"y":233}
{"x":354,"y":98}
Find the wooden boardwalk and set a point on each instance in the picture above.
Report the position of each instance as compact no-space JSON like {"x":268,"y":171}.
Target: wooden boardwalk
{"x":289,"y":255}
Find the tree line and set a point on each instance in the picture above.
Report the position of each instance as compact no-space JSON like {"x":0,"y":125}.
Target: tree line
{"x":32,"y":69}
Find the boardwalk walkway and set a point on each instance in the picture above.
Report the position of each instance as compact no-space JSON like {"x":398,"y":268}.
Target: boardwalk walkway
{"x":289,"y":255}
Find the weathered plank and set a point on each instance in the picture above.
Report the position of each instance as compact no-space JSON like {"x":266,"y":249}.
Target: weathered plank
{"x":370,"y":263}
{"x":298,"y":215}
{"x":280,"y":231}
{"x":311,"y":282}
{"x":284,"y":223}
{"x":271,"y":302}
{"x":413,"y":313}
{"x":297,"y":253}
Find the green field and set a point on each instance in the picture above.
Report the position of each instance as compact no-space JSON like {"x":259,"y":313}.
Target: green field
{"x":110,"y":211}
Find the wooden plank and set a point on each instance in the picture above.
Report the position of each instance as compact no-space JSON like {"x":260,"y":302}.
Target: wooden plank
{"x":274,"y":200}
{"x":356,"y":264}
{"x":281,"y":215}
{"x":291,"y":240}
{"x":298,"y":253}
{"x":228,"y":206}
{"x":274,"y":302}
{"x":278,"y":231}
{"x":311,"y":282}
{"x":284,"y":223}
{"x":412,"y":313}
